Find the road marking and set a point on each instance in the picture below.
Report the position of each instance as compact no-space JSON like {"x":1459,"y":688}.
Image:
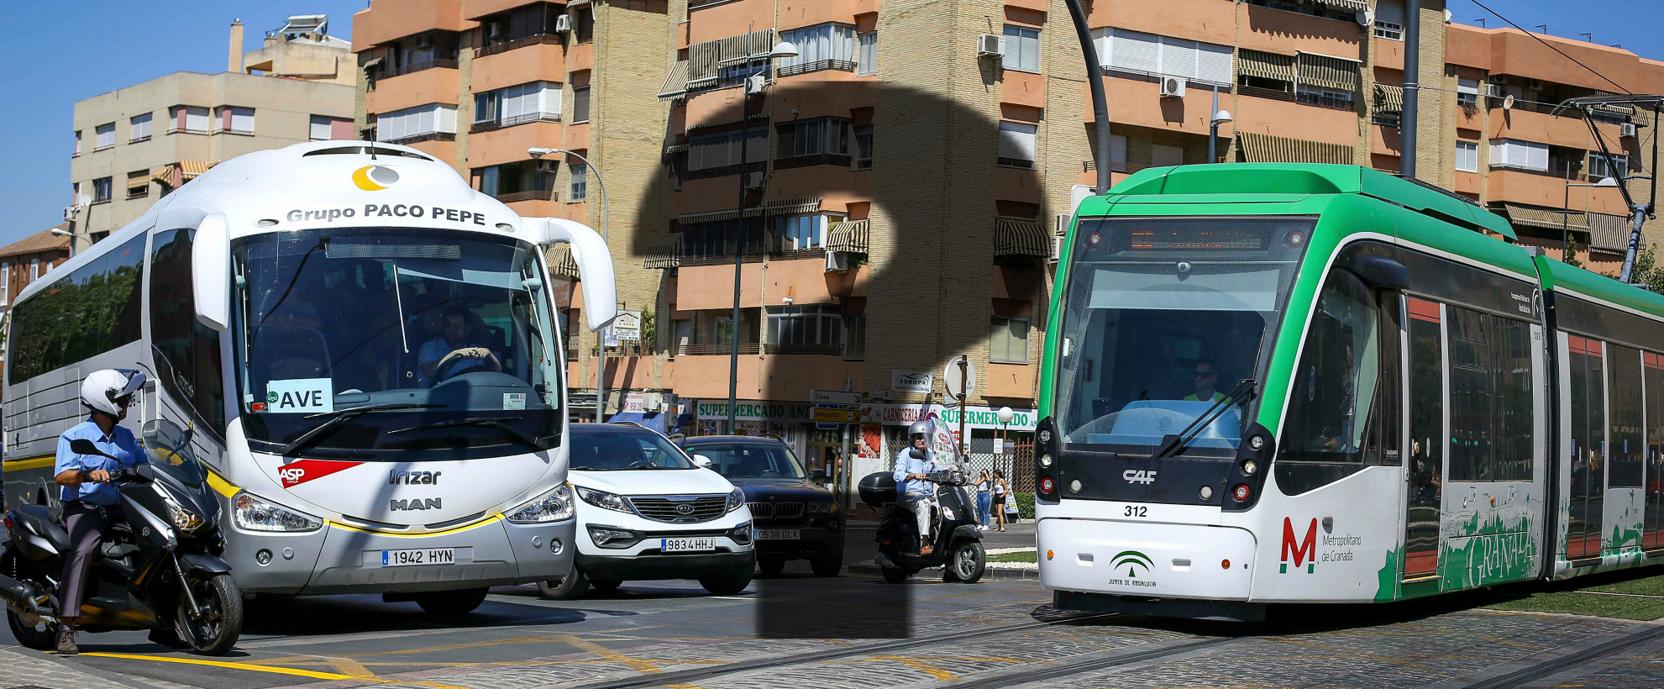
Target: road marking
{"x":247,"y":667}
{"x":935,"y":672}
{"x":637,"y":664}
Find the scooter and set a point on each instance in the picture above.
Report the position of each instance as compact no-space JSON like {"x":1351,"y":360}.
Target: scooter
{"x":158,"y":567}
{"x":956,"y":542}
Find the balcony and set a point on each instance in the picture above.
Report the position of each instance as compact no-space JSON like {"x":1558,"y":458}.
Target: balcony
{"x":1548,"y":190}
{"x":765,"y":376}
{"x":496,"y":144}
{"x":711,"y":286}
{"x":536,"y":62}
{"x":499,"y":47}
{"x":389,"y":20}
{"x":412,"y":68}
{"x":1531,"y":122}
{"x":526,"y":195}
{"x":476,"y":9}
{"x":435,"y":85}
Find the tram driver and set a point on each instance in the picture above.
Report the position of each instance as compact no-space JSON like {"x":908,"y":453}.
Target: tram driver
{"x":1206,"y":379}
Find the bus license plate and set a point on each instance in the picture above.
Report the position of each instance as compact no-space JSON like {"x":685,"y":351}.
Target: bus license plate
{"x":687,"y":545}
{"x":422,"y":556}
{"x":778,"y":534}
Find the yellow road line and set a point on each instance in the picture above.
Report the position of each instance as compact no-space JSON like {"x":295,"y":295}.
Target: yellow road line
{"x":248,"y":667}
{"x":935,"y":672}
{"x":637,"y":664}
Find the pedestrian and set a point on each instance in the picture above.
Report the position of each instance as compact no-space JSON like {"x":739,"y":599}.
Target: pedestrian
{"x":984,"y":498}
{"x":1001,"y":492}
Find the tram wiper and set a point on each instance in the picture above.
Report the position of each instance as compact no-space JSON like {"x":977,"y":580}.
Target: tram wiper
{"x":1241,"y":394}
{"x":340,"y":416}
{"x":484,"y":422}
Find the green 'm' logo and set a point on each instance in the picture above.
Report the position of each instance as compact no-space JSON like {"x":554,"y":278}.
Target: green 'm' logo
{"x":271,"y":397}
{"x":1133,"y":560}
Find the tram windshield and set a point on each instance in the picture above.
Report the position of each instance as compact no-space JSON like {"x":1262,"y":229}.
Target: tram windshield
{"x":422,"y":343}
{"x":1163,"y":318}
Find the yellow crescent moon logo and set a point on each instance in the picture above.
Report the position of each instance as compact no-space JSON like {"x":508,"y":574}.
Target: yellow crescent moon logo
{"x":374,"y":177}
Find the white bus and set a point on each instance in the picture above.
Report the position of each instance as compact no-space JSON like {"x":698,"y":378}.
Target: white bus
{"x":369,"y":350}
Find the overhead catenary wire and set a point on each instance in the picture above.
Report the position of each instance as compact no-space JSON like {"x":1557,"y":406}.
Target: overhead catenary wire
{"x":1552,"y":47}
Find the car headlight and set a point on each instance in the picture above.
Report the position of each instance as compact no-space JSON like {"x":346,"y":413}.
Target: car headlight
{"x":183,"y":519}
{"x":605,"y":500}
{"x":736,"y":500}
{"x":552,"y":506}
{"x":258,"y":514}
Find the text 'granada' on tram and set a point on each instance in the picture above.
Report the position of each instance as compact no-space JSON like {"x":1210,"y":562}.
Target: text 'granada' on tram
{"x":1288,"y":383}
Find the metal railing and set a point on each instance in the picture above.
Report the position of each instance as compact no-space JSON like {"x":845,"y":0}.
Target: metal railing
{"x":505,"y":46}
{"x":712,"y":348}
{"x":418,"y":66}
{"x":528,"y":195}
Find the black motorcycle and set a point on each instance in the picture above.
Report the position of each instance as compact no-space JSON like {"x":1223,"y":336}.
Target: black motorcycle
{"x":956,"y":542}
{"x":158,"y":567}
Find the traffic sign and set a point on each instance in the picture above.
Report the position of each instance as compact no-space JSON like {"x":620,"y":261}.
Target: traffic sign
{"x":831,"y":397}
{"x":955,"y":380}
{"x":835,"y":415}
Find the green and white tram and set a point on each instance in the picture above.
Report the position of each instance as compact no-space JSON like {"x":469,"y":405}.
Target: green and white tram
{"x":1293,"y":383}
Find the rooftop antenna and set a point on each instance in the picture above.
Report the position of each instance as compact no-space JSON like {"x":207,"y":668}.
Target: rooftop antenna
{"x":1588,"y":37}
{"x":1542,"y":28}
{"x":1481,"y":21}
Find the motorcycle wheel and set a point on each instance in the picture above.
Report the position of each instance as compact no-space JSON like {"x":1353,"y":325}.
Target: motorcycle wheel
{"x":969,"y":561}
{"x":449,"y":605}
{"x":569,"y":587}
{"x":31,"y":631}
{"x":221,"y":603}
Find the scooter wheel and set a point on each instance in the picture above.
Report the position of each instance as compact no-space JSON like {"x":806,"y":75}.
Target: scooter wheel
{"x":968,"y":562}
{"x":221,"y":602}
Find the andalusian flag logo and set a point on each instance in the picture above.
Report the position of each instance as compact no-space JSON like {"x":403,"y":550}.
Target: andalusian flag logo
{"x":1133,"y":561}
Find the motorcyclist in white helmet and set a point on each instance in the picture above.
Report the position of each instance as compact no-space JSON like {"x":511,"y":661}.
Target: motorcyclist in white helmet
{"x":85,"y":490}
{"x":917,"y":494}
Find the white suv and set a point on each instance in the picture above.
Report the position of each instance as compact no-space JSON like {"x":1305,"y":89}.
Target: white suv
{"x":646,"y":511}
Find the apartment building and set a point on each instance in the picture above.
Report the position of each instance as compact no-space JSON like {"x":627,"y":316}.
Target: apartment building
{"x":22,"y":262}
{"x":155,"y":136}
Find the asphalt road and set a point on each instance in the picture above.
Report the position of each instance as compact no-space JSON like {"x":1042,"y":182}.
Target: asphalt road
{"x":802,"y":631}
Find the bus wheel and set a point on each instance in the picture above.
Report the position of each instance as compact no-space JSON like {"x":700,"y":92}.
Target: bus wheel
{"x":449,"y":605}
{"x":569,"y":587}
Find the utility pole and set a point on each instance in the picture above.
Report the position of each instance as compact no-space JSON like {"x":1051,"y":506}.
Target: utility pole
{"x":1100,"y":102}
{"x":1412,"y":86}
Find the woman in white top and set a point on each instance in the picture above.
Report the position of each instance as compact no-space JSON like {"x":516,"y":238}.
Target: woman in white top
{"x":984,"y":498}
{"x":1002,"y":490}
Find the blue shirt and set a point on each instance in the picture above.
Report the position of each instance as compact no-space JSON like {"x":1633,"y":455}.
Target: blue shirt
{"x":434,"y":350}
{"x":119,"y":444}
{"x":905,"y":464}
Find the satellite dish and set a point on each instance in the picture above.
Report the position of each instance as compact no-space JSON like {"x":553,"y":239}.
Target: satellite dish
{"x":1364,"y":17}
{"x":1448,"y":17}
{"x":1508,"y":103}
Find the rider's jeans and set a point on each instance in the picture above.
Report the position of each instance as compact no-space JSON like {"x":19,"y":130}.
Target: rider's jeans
{"x":920,"y":505}
{"x":86,"y":525}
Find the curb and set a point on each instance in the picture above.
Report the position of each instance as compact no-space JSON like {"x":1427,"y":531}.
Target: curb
{"x":1029,"y":572}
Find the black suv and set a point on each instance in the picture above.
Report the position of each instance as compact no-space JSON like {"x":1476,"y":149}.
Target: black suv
{"x":793,"y":517}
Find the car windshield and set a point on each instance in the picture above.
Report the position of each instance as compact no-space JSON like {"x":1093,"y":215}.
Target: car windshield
{"x":601,"y":447}
{"x":750,"y":460}
{"x":1163,"y":318}
{"x":442,"y":340}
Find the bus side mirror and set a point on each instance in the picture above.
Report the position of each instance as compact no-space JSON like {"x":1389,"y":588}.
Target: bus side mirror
{"x":1381,"y":272}
{"x":594,"y":265}
{"x":211,"y":272}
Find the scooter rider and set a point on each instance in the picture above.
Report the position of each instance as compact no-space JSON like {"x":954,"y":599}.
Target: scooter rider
{"x":917,"y":493}
{"x":84,"y":479}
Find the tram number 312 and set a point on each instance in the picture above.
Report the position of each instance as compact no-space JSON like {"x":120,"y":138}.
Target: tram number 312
{"x":1137,"y":511}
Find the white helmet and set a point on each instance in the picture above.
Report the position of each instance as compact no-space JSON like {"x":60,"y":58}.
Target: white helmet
{"x":110,"y":390}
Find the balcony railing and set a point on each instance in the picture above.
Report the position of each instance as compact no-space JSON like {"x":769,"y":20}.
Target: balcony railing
{"x":417,"y":138}
{"x":505,"y":46}
{"x":493,"y":125}
{"x":815,"y":349}
{"x":418,"y":66}
{"x":817,"y":65}
{"x":838,"y":159}
{"x":529,"y":195}
{"x":711,"y":348}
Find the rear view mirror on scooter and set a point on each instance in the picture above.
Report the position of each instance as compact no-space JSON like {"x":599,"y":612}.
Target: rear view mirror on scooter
{"x":916,"y":453}
{"x":82,"y":446}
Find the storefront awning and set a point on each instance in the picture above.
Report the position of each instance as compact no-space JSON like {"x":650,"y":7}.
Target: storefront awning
{"x":1545,"y":218}
{"x":561,"y":263}
{"x":665,"y":254}
{"x":849,"y":236}
{"x":1254,"y":63}
{"x":1609,"y":232}
{"x":1017,"y":237}
{"x":1389,"y":98}
{"x":1265,"y":148}
{"x":676,"y":83}
{"x":1323,"y":71}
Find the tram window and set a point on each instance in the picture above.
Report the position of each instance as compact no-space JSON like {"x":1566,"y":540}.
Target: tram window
{"x":1492,"y":404}
{"x":1331,"y":408}
{"x":1654,"y":498}
{"x":1588,"y":446}
{"x":1516,"y":404}
{"x":187,"y":352}
{"x":1624,"y":423}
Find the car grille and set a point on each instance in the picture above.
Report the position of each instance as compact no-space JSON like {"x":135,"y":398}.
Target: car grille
{"x":681,"y":509}
{"x":776,"y":510}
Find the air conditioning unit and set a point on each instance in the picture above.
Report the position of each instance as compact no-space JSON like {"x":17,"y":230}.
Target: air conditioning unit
{"x":1497,"y":78}
{"x":548,"y":167}
{"x":990,"y":45}
{"x":754,"y":181}
{"x":837,"y":262}
{"x":1173,"y":87}
{"x":563,"y":23}
{"x":1057,"y":250}
{"x":1060,"y":224}
{"x":755,"y":84}
{"x":1493,"y":90}
{"x":1626,"y":129}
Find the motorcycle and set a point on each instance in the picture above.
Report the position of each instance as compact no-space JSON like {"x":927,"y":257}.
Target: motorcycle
{"x":956,"y":543}
{"x":158,"y":566}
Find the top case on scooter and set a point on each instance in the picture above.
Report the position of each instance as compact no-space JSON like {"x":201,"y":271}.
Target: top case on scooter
{"x":38,"y":519}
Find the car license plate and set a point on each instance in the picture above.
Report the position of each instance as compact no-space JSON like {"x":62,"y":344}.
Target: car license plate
{"x":421,"y":556}
{"x":778,"y":534}
{"x":687,"y":545}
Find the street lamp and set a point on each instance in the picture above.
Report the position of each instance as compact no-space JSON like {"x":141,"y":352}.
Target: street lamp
{"x":1566,"y":210}
{"x":66,"y":233}
{"x":1005,"y":415}
{"x":1219,"y":117}
{"x":781,"y":49}
{"x":537,"y":153}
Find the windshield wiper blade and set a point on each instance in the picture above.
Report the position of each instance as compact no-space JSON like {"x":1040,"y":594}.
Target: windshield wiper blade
{"x":484,"y":422}
{"x":340,"y":416}
{"x":1243,"y":392}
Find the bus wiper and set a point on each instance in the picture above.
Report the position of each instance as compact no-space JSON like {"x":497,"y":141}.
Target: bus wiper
{"x":340,"y":416}
{"x":1241,"y":394}
{"x":484,"y":422}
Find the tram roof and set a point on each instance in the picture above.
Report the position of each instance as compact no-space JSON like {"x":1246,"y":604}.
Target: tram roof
{"x":1558,"y":276}
{"x":1292,"y":181}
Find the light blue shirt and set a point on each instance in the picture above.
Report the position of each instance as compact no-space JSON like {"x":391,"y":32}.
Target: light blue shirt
{"x":119,"y":444}
{"x":905,"y":464}
{"x":435,"y":349}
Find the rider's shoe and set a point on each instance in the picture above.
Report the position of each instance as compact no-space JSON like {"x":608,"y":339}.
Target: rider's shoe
{"x":66,"y":641}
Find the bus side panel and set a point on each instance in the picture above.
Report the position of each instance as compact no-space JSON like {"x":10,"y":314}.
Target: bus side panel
{"x":1330,"y":544}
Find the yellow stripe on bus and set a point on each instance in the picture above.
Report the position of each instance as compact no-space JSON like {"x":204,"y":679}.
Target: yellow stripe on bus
{"x":276,"y":670}
{"x":30,"y":463}
{"x":221,"y":486}
{"x":488,"y":520}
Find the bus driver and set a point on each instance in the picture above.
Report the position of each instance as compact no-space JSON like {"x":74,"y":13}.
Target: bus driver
{"x":455,"y":350}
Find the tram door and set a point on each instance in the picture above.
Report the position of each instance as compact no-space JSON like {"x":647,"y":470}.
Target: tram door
{"x":1425,"y":471}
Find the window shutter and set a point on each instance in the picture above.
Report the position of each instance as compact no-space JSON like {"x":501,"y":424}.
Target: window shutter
{"x":1177,"y":57}
{"x":1017,"y":140}
{"x":1134,"y":52}
{"x":242,"y":119}
{"x":1213,"y":63}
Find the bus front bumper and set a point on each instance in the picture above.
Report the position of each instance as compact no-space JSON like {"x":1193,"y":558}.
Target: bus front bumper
{"x":339,"y":559}
{"x":1145,"y":560}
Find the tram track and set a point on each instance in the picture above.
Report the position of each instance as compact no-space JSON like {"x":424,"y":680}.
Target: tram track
{"x":881,"y":648}
{"x":1551,"y":666}
{"x":1093,"y":663}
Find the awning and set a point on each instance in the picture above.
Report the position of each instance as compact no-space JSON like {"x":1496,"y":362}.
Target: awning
{"x":1254,"y":63}
{"x":848,"y":236}
{"x":1323,"y":71}
{"x":675,"y":83}
{"x":675,"y":148}
{"x":1265,"y":148}
{"x":796,"y":205}
{"x":1545,"y":218}
{"x":1015,"y":237}
{"x":1342,"y":5}
{"x":192,"y":168}
{"x":1389,"y":98}
{"x":706,"y":58}
{"x":165,"y":175}
{"x":665,"y":254}
{"x":717,"y":216}
{"x":1609,"y":232}
{"x":561,"y":263}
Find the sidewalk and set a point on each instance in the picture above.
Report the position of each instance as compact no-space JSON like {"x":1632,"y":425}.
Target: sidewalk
{"x":36,"y":669}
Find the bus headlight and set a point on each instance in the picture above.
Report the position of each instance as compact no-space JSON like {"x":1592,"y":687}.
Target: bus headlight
{"x":736,"y":500}
{"x":250,"y":513}
{"x":605,"y":500}
{"x":552,"y":506}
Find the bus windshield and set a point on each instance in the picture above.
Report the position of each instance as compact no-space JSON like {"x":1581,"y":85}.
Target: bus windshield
{"x":428,"y":344}
{"x":1164,"y":317}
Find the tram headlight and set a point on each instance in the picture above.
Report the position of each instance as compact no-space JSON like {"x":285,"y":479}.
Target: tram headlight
{"x":1207,"y":492}
{"x":552,"y":506}
{"x":1256,"y":443}
{"x":251,"y":513}
{"x":1045,"y":461}
{"x":1045,"y":436}
{"x":1249,"y":466}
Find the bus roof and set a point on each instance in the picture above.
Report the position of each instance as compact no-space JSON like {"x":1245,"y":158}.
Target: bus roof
{"x":1291,"y":180}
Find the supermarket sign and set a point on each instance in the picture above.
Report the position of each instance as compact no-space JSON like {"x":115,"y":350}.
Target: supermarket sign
{"x":981,"y":418}
{"x":755,"y":411}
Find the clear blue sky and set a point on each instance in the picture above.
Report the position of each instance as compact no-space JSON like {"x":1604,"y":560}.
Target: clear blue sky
{"x":73,"y":50}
